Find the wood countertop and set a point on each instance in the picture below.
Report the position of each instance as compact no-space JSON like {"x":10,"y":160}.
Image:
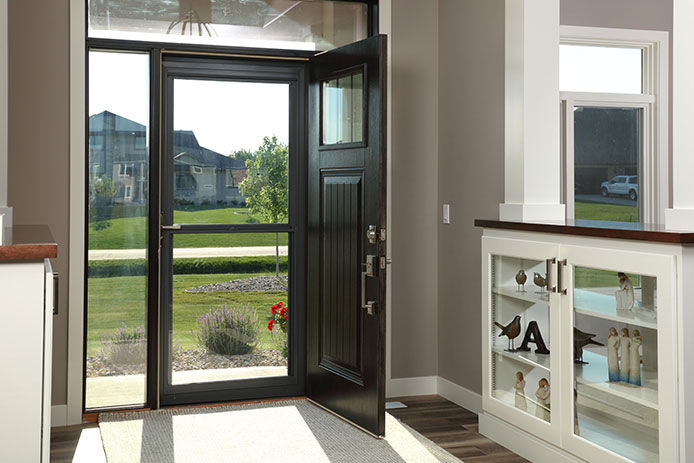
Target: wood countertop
{"x":28,"y":242}
{"x":610,"y":230}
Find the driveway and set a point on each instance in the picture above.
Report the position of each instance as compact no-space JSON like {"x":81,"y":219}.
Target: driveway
{"x":619,"y":200}
{"x":241,"y":251}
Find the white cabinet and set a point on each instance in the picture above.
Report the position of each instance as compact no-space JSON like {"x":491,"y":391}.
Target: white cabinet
{"x":590,"y":396}
{"x":26,"y":318}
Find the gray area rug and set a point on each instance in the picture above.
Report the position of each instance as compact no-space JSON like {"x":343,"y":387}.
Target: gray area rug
{"x":284,"y":431}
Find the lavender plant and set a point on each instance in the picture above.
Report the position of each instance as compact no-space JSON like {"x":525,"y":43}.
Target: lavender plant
{"x":125,"y":346}
{"x":228,"y":331}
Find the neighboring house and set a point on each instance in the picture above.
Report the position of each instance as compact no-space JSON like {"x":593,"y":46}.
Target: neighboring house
{"x":606,"y":144}
{"x":118,"y":150}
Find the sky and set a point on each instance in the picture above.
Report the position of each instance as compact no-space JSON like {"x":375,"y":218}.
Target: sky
{"x":600,"y":69}
{"x":225,"y":116}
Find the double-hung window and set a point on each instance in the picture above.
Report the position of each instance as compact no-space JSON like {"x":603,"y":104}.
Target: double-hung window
{"x":613,"y":87}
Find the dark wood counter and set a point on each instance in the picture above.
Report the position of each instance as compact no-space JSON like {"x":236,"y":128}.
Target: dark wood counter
{"x":28,"y":242}
{"x":610,"y":230}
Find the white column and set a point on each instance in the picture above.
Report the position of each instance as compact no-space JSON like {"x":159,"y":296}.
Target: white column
{"x":4,"y":210}
{"x":681,"y":215}
{"x":532,"y":154}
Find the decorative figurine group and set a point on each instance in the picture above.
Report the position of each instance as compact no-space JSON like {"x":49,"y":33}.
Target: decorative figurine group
{"x":542,"y":404}
{"x":624,"y":366}
{"x":538,"y":279}
{"x":532,"y":334}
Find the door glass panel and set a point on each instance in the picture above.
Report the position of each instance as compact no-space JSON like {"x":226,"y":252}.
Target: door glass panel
{"x":118,"y":179}
{"x":226,"y":289}
{"x":615,"y":339}
{"x":343,"y":109}
{"x":520,"y":338}
{"x":607,"y":153}
{"x":230,"y":152}
{"x":285,"y":24}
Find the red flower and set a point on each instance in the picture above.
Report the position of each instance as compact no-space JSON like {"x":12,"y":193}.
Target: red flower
{"x":270,"y":323}
{"x":273,"y":309}
{"x":283,"y":312}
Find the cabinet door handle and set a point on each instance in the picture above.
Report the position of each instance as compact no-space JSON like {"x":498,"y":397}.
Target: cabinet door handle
{"x":560,"y":278}
{"x":548,"y":278}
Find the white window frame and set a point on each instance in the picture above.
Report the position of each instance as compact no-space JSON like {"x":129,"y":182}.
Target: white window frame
{"x":654,"y":101}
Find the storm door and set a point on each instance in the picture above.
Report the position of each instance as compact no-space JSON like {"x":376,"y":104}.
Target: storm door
{"x":232,"y":230}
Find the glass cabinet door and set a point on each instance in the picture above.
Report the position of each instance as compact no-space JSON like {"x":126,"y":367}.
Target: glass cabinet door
{"x":519,"y":336}
{"x":620,"y":306}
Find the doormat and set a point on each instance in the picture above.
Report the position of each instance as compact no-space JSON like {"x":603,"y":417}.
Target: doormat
{"x":282,"y":431}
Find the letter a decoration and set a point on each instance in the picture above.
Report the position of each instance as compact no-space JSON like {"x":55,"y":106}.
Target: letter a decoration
{"x":532,"y":334}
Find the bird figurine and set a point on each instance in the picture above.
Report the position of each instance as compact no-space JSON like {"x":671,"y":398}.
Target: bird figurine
{"x":521,"y":278}
{"x":540,"y":281}
{"x":511,"y":331}
{"x":581,"y":340}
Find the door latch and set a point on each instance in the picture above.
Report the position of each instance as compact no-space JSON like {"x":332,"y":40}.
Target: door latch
{"x":367,"y":272}
{"x":371,"y":234}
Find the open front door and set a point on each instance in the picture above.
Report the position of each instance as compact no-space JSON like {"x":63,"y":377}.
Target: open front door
{"x":346,"y":232}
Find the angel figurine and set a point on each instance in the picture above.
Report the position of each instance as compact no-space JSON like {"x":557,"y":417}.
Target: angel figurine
{"x":613,"y":356}
{"x":542,"y":408}
{"x":519,"y":386}
{"x":624,"y":352}
{"x":625,"y":293}
{"x":635,"y":359}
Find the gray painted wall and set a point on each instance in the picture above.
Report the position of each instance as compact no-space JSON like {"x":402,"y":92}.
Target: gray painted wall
{"x":38,"y":161}
{"x":415,"y":195}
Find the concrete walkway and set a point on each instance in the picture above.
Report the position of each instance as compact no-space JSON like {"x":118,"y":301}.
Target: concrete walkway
{"x":241,"y":251}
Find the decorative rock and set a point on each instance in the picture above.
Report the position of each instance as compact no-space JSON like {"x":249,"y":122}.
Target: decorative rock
{"x":264,"y":283}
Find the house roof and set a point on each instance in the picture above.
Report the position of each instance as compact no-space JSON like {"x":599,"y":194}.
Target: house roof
{"x":185,"y":142}
{"x":97,"y":122}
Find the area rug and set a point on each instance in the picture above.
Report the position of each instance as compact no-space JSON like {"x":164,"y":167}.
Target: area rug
{"x":284,"y":431}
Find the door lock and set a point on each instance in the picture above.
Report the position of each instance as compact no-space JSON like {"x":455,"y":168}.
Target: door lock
{"x":371,"y":234}
{"x":367,"y":272}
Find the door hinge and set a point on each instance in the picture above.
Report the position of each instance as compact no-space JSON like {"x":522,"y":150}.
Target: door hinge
{"x":383,"y":234}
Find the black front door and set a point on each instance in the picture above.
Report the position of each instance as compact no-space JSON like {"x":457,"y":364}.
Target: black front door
{"x":346,"y":232}
{"x":233,"y":198}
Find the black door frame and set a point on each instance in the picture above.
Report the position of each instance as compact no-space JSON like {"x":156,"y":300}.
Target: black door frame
{"x":225,"y":69}
{"x":155,"y":51}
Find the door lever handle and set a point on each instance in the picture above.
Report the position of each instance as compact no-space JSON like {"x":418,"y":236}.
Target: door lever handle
{"x":367,"y":272}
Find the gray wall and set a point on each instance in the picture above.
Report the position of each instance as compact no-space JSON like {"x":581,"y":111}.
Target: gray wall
{"x":38,"y":161}
{"x":470,"y":174}
{"x":415,"y":197}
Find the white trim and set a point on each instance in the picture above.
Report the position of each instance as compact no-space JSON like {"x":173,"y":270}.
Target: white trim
{"x":459,"y":395}
{"x":77,"y":214}
{"x":417,"y":385}
{"x":58,"y":415}
{"x":4,"y":72}
{"x":656,"y":158}
{"x":522,"y":443}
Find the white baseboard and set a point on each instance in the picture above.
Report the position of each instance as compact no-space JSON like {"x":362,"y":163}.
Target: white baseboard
{"x":459,"y":395}
{"x":420,"y":385}
{"x":59,"y":415}
{"x":427,"y":385}
{"x":520,"y":442}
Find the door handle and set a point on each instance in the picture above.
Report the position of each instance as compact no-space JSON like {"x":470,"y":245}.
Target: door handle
{"x":548,"y":280}
{"x":560,"y":279}
{"x":367,"y":272}
{"x":171,"y":227}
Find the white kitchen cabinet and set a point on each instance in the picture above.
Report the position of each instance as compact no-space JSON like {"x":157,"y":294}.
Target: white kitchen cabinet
{"x":590,"y":416}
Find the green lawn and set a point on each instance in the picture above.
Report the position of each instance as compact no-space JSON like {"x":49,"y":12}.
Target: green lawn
{"x":130,"y":232}
{"x":113,"y":301}
{"x":593,"y":278}
{"x":611,"y":212}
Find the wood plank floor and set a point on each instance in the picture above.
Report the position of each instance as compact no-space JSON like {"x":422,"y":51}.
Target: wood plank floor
{"x":445,"y":423}
{"x":452,"y":428}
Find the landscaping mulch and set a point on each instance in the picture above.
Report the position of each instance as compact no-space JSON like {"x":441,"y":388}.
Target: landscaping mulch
{"x":197,"y":359}
{"x":263,"y":283}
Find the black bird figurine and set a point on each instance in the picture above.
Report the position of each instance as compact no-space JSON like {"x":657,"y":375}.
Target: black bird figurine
{"x":521,"y":278}
{"x":511,"y":331}
{"x":539,"y":280}
{"x":581,"y":340}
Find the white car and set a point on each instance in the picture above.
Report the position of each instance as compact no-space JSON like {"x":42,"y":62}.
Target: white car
{"x":623,"y":185}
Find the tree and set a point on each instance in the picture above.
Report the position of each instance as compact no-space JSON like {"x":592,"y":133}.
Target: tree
{"x":242,"y":155}
{"x":101,"y":196}
{"x":266,"y":185}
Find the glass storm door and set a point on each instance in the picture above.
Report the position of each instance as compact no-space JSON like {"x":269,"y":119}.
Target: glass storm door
{"x":521,"y":341}
{"x":620,"y":391}
{"x":232,"y":306}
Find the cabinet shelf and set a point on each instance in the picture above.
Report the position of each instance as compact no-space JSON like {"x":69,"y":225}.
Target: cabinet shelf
{"x":530,"y":295}
{"x":600,"y":305}
{"x":529,"y":358}
{"x":594,"y":376}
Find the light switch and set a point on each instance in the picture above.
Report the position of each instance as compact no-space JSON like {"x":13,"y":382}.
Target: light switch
{"x":447,"y":213}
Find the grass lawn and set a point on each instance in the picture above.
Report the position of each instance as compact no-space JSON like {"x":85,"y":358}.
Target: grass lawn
{"x":592,"y":278}
{"x":130,"y":232}
{"x":611,"y":212}
{"x":113,"y":301}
